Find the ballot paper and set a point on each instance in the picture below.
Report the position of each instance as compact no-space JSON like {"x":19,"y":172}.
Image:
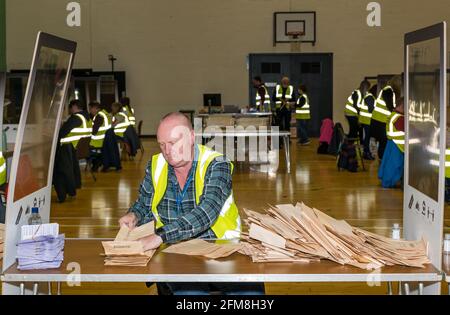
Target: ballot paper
{"x":126,"y":250}
{"x":42,"y":252}
{"x":288,"y":233}
{"x":199,"y":247}
{"x":32,"y":231}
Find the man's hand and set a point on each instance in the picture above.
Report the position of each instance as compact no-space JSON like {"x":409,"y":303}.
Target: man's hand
{"x":129,"y":220}
{"x":151,"y":242}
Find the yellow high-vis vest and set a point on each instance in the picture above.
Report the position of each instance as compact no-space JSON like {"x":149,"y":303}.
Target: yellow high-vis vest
{"x":364,"y":115}
{"x":304,"y":112}
{"x":120,"y":128}
{"x":261,"y":106}
{"x":76,"y":134}
{"x":381,"y":112}
{"x":130,"y":113}
{"x":97,"y":140}
{"x":228,"y":224}
{"x":2,"y":169}
{"x":279,"y":95}
{"x":393,"y":134}
{"x":350,"y":108}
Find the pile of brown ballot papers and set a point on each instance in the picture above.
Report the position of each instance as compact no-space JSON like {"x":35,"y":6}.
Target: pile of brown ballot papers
{"x":199,"y":247}
{"x":298,"y":233}
{"x":126,"y":250}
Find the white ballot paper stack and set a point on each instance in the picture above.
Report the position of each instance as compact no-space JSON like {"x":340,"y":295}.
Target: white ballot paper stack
{"x":126,"y":250}
{"x":42,"y":252}
{"x":40,"y":247}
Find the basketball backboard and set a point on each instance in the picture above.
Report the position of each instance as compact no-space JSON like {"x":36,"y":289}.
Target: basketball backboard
{"x":287,"y":23}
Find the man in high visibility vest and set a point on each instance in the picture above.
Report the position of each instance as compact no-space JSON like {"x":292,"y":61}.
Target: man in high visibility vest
{"x":302,"y":115}
{"x":77,"y":126}
{"x":120,"y":120}
{"x":391,"y":168}
{"x":2,"y":170}
{"x":102,"y":122}
{"x":262,"y":97}
{"x":352,"y":107}
{"x":187,"y":192}
{"x":125,"y":101}
{"x":365,"y":115}
{"x":284,"y":99}
{"x":384,"y":105}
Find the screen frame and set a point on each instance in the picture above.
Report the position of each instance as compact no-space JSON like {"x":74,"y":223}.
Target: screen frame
{"x":52,"y":42}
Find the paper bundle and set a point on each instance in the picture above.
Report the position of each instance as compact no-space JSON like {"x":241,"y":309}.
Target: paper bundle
{"x":298,"y":233}
{"x":2,"y":238}
{"x":42,"y":252}
{"x":199,"y":247}
{"x":126,"y":250}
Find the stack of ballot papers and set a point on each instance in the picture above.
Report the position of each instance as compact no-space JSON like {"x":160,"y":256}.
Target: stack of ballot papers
{"x":41,"y":252}
{"x":199,"y":247}
{"x":2,"y":238}
{"x":288,"y":233}
{"x":126,"y":250}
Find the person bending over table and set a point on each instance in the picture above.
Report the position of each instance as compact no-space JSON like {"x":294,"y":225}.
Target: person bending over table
{"x":187,"y":191}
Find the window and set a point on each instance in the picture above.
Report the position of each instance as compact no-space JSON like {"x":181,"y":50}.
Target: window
{"x":311,"y":67}
{"x":270,"y":67}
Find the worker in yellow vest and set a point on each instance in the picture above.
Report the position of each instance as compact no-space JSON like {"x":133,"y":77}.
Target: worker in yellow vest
{"x":352,"y":108}
{"x":365,"y":116}
{"x":120,"y":120}
{"x":2,"y":169}
{"x":391,"y":168}
{"x":77,"y":126}
{"x":125,"y":101}
{"x":384,"y":105}
{"x":187,"y":192}
{"x":302,"y":116}
{"x":284,"y":99}
{"x":102,"y":122}
{"x":262,"y":97}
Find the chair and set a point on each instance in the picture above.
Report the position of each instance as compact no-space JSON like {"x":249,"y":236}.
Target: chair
{"x":359,"y":155}
{"x":83,"y":153}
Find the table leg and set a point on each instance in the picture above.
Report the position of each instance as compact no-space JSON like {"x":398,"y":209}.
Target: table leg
{"x":400,"y":288}
{"x":287,"y":152}
{"x":389,"y":288}
{"x":58,"y":288}
{"x":49,"y":284}
{"x":22,"y":288}
{"x":406,"y":288}
{"x":35,"y":288}
{"x":420,"y":288}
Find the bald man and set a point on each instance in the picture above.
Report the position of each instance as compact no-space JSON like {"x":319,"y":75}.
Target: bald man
{"x":284,"y":99}
{"x":187,"y":191}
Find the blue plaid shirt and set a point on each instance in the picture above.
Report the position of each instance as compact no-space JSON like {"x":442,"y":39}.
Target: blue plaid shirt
{"x":188,"y":220}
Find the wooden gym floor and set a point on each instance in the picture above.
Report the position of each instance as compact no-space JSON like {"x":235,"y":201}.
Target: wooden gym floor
{"x":314,"y":179}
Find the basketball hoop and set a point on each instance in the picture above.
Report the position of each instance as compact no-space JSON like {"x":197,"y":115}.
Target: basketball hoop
{"x":296,"y":40}
{"x":295,"y":34}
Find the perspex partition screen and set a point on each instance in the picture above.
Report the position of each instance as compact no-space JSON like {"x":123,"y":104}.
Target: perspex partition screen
{"x":424,"y":115}
{"x":425,"y":139}
{"x":49,"y":83}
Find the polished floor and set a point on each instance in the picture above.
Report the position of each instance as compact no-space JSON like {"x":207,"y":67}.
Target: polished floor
{"x":314,"y":179}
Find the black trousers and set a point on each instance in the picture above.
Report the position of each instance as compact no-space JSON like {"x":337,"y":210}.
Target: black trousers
{"x":378,"y":131}
{"x":284,"y":119}
{"x":354,"y":126}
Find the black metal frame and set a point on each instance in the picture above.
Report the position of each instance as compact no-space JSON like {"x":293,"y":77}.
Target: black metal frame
{"x":275,"y":41}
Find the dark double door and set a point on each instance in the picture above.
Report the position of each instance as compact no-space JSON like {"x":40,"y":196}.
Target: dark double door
{"x":314,"y":70}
